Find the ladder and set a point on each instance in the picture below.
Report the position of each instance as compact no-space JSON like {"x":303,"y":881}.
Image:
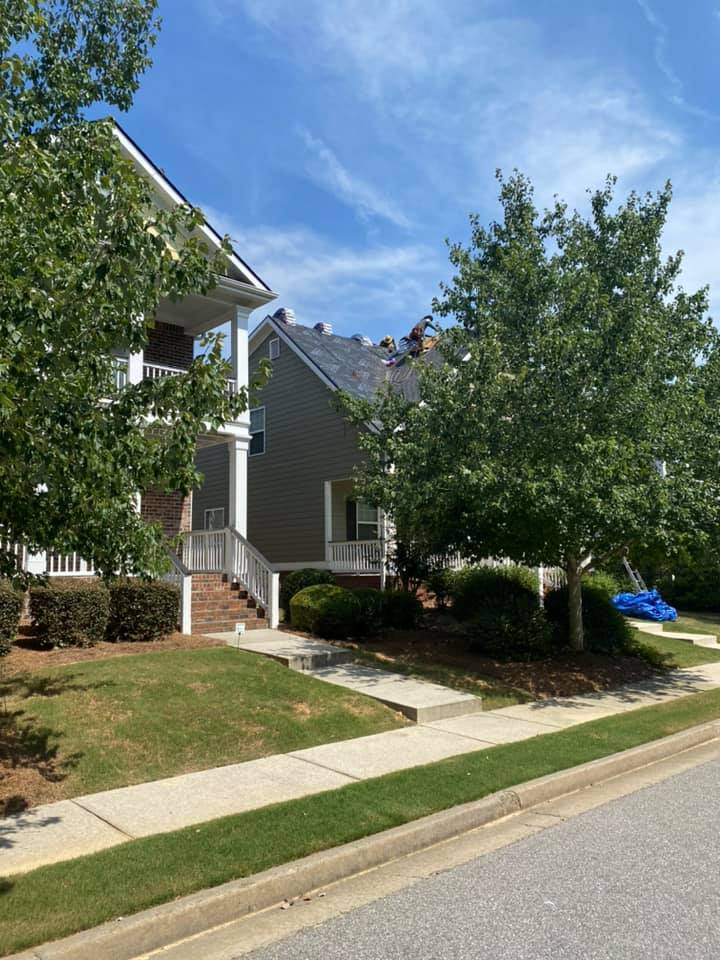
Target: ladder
{"x":635,"y":578}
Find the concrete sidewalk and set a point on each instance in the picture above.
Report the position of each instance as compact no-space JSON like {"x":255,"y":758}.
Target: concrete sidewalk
{"x":71,"y":828}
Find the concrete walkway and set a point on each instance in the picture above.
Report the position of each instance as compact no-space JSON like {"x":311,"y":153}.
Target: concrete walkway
{"x":658,"y":630}
{"x":419,"y":700}
{"x":71,"y":828}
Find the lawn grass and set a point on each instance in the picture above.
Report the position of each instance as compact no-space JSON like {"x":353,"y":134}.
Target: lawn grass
{"x":57,"y":900}
{"x":695,"y":623}
{"x":494,"y":693}
{"x":680,"y":653}
{"x":109,"y":723}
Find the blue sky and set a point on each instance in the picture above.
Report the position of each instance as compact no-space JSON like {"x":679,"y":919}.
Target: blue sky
{"x":340,"y":142}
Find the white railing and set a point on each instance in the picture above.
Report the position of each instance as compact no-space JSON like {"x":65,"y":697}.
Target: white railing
{"x":227,"y":551}
{"x":156,"y":371}
{"x":356,"y":556}
{"x":204,"y":551}
{"x":68,"y":565}
{"x":180,"y":577}
{"x":250,"y":568}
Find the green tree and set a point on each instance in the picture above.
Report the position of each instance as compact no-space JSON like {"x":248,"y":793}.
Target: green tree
{"x":575,"y":409}
{"x":85,"y":259}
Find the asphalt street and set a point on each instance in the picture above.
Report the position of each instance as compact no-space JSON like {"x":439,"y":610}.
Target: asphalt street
{"x":635,"y":878}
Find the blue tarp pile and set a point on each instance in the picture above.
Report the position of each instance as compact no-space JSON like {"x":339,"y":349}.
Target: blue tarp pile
{"x":648,"y":605}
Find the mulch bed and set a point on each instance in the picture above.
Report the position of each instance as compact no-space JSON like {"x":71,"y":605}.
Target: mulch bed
{"x":26,"y":657}
{"x":565,"y":675}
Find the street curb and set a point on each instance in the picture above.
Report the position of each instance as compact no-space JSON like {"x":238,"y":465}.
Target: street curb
{"x":128,"y":938}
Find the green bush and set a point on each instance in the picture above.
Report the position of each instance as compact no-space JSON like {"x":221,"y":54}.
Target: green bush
{"x":372,"y":609}
{"x":327,"y":610}
{"x":401,"y":610}
{"x":504,"y":636}
{"x":692,"y":587}
{"x":605,"y":629}
{"x":440,"y":584}
{"x":504,"y":589}
{"x":607,"y":583}
{"x":298,"y":580}
{"x":11,"y":601}
{"x":69,"y":614}
{"x":142,"y":610}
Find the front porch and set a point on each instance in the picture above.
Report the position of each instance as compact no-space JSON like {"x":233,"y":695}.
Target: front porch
{"x":355,"y":532}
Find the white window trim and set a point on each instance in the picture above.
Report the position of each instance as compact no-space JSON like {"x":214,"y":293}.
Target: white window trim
{"x":366,"y":523}
{"x":260,"y":453}
{"x":214,"y":510}
{"x":274,"y":348}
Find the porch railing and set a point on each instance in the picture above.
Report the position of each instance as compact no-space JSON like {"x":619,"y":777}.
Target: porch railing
{"x":204,"y":551}
{"x":68,"y":565}
{"x":356,"y":556}
{"x":227,"y":551}
{"x":250,"y":568}
{"x":156,"y":371}
{"x":181,"y":577}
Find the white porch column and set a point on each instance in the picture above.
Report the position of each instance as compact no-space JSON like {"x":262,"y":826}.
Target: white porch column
{"x":135,"y":367}
{"x":237,"y":484}
{"x":239,"y":357}
{"x":328,"y":521}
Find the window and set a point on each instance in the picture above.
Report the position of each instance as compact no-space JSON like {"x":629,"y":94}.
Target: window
{"x":367,"y":522}
{"x":215,"y":518}
{"x":274,"y":348}
{"x":257,"y":431}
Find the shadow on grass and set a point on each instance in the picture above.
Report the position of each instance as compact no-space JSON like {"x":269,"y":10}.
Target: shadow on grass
{"x":30,"y":751}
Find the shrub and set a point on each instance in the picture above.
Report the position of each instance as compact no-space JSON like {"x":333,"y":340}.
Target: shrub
{"x":692,"y":587}
{"x":509,"y":590}
{"x":11,"y":602}
{"x":372,"y":609}
{"x":298,"y":580}
{"x":142,"y":610}
{"x":440,"y":583}
{"x":606,"y":630}
{"x":325,"y":609}
{"x":69,"y":614}
{"x":511,"y":636}
{"x":401,"y":609}
{"x":606,"y":583}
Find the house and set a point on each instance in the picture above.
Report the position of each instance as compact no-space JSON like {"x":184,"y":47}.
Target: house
{"x":223,"y":579}
{"x":302,"y":506}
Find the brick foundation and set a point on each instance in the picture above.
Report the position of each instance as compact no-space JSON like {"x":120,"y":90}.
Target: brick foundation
{"x":172,"y":511}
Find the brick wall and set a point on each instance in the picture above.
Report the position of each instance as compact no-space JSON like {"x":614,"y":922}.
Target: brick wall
{"x":171,"y":510}
{"x":169,"y":346}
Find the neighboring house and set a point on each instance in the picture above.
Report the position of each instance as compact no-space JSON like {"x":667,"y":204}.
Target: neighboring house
{"x":302,"y":506}
{"x":223,"y":579}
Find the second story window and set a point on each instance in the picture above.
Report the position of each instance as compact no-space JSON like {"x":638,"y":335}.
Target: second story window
{"x":257,"y":431}
{"x":274,"y":348}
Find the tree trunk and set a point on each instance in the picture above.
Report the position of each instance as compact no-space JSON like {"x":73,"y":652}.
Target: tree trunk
{"x":573,"y":570}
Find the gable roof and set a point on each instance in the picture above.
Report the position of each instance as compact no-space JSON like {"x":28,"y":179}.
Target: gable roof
{"x":344,"y":363}
{"x":240,"y":269}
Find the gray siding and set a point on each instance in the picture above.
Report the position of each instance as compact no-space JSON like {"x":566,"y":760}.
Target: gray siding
{"x":307,"y":442}
{"x":213,"y":463}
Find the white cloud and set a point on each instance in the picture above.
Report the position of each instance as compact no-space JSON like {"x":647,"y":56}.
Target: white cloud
{"x":675,"y":84}
{"x":366,"y":288}
{"x":327,"y":171}
{"x":455,"y":91}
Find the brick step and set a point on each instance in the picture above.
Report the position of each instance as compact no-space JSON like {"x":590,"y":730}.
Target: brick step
{"x":229,"y":627}
{"x":222,"y":605}
{"x":225,"y":616}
